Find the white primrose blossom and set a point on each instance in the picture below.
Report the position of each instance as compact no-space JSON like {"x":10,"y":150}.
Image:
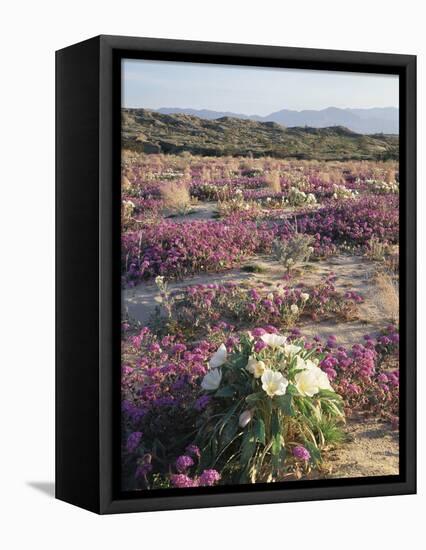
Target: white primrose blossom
{"x":211,"y":380}
{"x":294,"y":308}
{"x":274,"y":340}
{"x":312,"y":379}
{"x":304,"y":296}
{"x":219,"y":357}
{"x":291,"y":349}
{"x":274,"y":383}
{"x":159,"y":280}
{"x":255,"y":367}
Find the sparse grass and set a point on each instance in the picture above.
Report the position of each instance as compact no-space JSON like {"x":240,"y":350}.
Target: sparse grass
{"x":387,"y":296}
{"x":273,"y":181}
{"x":377,"y":250}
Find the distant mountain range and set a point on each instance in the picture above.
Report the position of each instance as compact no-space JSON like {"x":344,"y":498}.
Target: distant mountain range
{"x":363,"y":121}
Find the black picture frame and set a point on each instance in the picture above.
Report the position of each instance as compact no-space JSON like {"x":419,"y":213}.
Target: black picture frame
{"x":88,"y":273}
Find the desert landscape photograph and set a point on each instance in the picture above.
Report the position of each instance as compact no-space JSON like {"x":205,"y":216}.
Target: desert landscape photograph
{"x":259,"y":275}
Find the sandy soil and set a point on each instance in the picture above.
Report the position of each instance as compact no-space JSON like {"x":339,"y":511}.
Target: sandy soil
{"x":198,"y":211}
{"x":371,"y":451}
{"x":353,"y":273}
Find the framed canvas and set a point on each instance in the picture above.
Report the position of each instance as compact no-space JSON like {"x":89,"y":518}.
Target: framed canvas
{"x":236,"y":318}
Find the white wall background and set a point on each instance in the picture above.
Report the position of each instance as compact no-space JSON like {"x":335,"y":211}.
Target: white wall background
{"x":30,"y":33}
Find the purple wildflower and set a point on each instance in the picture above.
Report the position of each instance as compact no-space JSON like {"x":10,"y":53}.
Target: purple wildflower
{"x":183,"y":462}
{"x":301,"y":453}
{"x":209,"y":477}
{"x":182,"y":481}
{"x":133,"y":441}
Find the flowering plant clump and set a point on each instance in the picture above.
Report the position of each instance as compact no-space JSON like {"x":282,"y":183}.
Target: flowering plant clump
{"x":160,"y":397}
{"x":300,"y":198}
{"x":269,"y":398}
{"x":355,"y":221}
{"x":183,"y":249}
{"x":342,"y":192}
{"x":366,"y":375}
{"x":383,"y":187}
{"x":195,"y":310}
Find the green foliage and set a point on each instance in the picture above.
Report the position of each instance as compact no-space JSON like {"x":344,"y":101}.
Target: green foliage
{"x":249,"y":434}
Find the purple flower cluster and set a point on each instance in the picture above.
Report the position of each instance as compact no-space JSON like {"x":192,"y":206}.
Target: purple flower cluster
{"x":133,"y":441}
{"x":207,"y":478}
{"x":355,"y":221}
{"x":181,"y":250}
{"x":162,"y":382}
{"x":184,"y":462}
{"x":301,"y":453}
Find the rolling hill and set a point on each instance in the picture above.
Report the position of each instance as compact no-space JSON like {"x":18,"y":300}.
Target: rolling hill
{"x":152,"y":132}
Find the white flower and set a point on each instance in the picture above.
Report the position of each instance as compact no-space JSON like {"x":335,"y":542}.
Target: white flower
{"x":311,"y":380}
{"x":274,"y":340}
{"x":219,"y":357}
{"x":274,"y":383}
{"x":304,"y":296}
{"x":254,"y":367}
{"x":245,"y":418}
{"x":291,"y":349}
{"x":294,"y":308}
{"x":211,"y":380}
{"x":159,"y":280}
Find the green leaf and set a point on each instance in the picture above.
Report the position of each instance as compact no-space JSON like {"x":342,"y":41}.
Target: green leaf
{"x":226,"y":391}
{"x":276,"y":445}
{"x":292,"y":390}
{"x":314,"y":452}
{"x":279,"y":458}
{"x":254,"y":397}
{"x":275,"y":423}
{"x":248,"y":448}
{"x":330,"y":395}
{"x":229,"y":431}
{"x":285,"y":403}
{"x":259,"y":430}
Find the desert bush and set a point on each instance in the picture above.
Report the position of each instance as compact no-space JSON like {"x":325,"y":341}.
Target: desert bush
{"x":387,"y":295}
{"x":272,"y":180}
{"x":382,"y":187}
{"x":296,"y":197}
{"x":341,"y":192}
{"x":176,"y":196}
{"x":295,"y":250}
{"x":238,"y":204}
{"x":377,"y":250}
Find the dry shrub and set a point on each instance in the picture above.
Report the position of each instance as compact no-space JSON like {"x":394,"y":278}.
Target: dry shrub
{"x":387,"y":296}
{"x":389,"y":176}
{"x":175,"y":195}
{"x":377,"y":250}
{"x":126,"y":186}
{"x":293,"y":251}
{"x":273,"y":181}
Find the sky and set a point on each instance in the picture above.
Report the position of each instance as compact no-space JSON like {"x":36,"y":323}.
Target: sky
{"x":250,"y":90}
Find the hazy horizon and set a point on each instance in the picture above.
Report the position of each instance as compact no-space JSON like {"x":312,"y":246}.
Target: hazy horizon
{"x":240,"y":90}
